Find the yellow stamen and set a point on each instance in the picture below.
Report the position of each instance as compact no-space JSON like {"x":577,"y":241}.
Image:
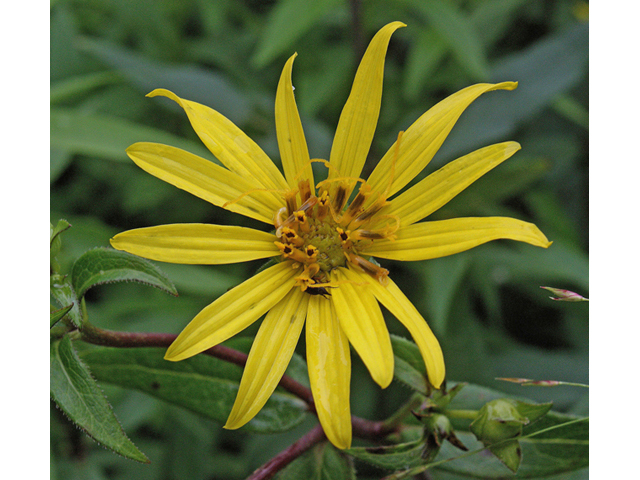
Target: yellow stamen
{"x":323,"y":206}
{"x":301,"y":221}
{"x":345,"y":238}
{"x":291,"y":252}
{"x":280,"y":218}
{"x":305,"y":279}
{"x":290,"y":235}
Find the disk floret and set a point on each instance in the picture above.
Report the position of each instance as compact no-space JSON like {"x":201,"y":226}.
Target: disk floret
{"x":324,"y":233}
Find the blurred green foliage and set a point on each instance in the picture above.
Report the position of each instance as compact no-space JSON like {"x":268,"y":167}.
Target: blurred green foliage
{"x":484,"y":305}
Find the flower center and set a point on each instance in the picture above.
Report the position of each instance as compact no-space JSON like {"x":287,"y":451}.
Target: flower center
{"x":322,"y":233}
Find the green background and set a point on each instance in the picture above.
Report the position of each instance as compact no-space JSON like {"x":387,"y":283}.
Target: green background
{"x":484,"y":305}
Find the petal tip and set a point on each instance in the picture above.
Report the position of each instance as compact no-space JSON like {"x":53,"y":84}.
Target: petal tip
{"x":175,"y":353}
{"x":163,"y":92}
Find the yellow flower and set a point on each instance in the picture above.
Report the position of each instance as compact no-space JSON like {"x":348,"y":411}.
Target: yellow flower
{"x":326,"y":276}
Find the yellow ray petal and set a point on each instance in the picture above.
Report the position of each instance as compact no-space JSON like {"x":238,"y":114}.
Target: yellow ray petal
{"x":233,"y":312}
{"x":269,"y":356}
{"x":423,"y":139}
{"x":206,"y":180}
{"x":399,"y":305}
{"x":199,"y":244}
{"x":237,"y":151}
{"x":329,"y":363}
{"x":437,"y":189}
{"x":359,"y":116}
{"x":361,"y":320}
{"x":422,"y":241}
{"x":293,"y":146}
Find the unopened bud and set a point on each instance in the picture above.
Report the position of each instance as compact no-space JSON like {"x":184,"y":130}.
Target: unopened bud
{"x":565,"y":295}
{"x":498,"y":420}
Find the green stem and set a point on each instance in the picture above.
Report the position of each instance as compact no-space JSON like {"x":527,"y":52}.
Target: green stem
{"x":466,"y":414}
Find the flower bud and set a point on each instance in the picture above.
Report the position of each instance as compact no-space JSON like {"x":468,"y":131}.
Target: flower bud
{"x":437,"y":428}
{"x":565,"y":295}
{"x":498,"y":420}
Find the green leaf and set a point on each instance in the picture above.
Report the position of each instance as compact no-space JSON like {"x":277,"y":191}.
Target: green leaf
{"x":559,"y":264}
{"x":187,"y":81}
{"x":288,"y":21}
{"x":459,"y":33}
{"x":509,"y":453}
{"x":443,"y":277}
{"x":554,"y":444}
{"x":62,"y":291}
{"x":323,"y":462}
{"x":561,"y":446}
{"x":55,"y":243}
{"x":79,"y":397}
{"x":60,"y":227}
{"x":409,"y":366}
{"x":107,"y":137}
{"x":105,"y":265}
{"x":202,"y":384}
{"x":533,"y":411}
{"x":76,"y":86}
{"x":546,"y":69}
{"x":58,"y":315}
{"x":426,"y":53}
{"x":393,"y":457}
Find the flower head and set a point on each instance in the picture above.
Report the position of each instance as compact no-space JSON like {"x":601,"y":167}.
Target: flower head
{"x":325,"y":277}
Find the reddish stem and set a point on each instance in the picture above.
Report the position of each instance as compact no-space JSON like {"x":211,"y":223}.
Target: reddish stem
{"x":284,"y":458}
{"x":110,"y":338}
{"x":361,"y":428}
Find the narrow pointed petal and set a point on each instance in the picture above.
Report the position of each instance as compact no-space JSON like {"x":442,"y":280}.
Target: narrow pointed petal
{"x":359,"y":116}
{"x":423,"y":139}
{"x":361,"y":320}
{"x":329,"y":363}
{"x":206,"y":180}
{"x":422,"y":241}
{"x":437,"y":189}
{"x":269,"y":357}
{"x":291,"y":141}
{"x":399,"y":305}
{"x":197,"y":244}
{"x":233,"y":312}
{"x":237,"y":151}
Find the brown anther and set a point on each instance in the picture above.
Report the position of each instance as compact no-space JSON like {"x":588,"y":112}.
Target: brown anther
{"x":379,"y":273}
{"x":369,"y":212}
{"x":339,"y":198}
{"x":370,"y":234}
{"x":290,"y":201}
{"x":305,"y":190}
{"x":355,"y":207}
